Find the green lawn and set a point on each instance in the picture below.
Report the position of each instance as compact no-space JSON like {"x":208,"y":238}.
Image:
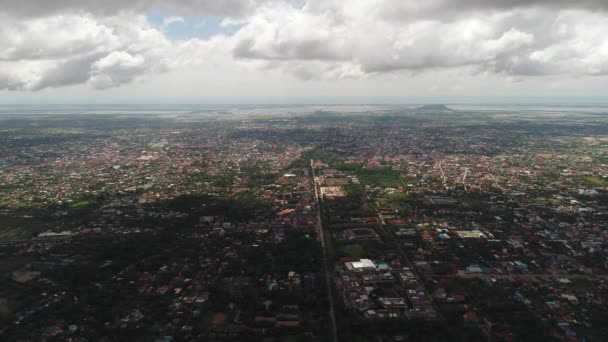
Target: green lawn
{"x":398,"y":200}
{"x":380,"y":177}
{"x":80,"y":204}
{"x":593,"y":180}
{"x":542,"y":201}
{"x":11,"y":204}
{"x":354,"y":250}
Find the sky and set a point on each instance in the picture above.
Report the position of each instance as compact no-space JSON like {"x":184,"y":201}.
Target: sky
{"x":301,"y":51}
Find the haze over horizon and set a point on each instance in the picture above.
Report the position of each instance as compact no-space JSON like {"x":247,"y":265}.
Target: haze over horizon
{"x":303,"y":52}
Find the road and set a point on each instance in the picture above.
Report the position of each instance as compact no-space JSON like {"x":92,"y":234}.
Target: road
{"x":464,"y":178}
{"x":443,"y":180}
{"x":328,"y":278}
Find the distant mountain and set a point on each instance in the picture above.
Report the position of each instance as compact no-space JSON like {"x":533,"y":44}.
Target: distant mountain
{"x":434,"y":108}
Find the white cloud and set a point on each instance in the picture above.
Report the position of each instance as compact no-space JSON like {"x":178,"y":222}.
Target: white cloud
{"x":53,"y":37}
{"x":79,"y":48}
{"x":172,"y":20}
{"x":110,"y":44}
{"x":42,"y":8}
{"x":326,"y":37}
{"x":116,"y":68}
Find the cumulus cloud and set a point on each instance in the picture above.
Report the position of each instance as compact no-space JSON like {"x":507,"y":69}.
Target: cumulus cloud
{"x":172,"y":20}
{"x":51,"y":37}
{"x":76,"y":48}
{"x":395,"y":8}
{"x":35,"y":8}
{"x":429,"y":9}
{"x":354,"y":36}
{"x":111,"y":43}
{"x":116,"y":68}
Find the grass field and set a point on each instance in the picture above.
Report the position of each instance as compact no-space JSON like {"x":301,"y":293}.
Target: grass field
{"x":542,"y":201}
{"x":354,"y":250}
{"x":380,"y":177}
{"x":80,"y":204}
{"x":594,"y":181}
{"x":396,"y":200}
{"x":12,"y":204}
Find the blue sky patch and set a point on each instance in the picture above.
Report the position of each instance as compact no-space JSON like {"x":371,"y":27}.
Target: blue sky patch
{"x":201,"y":26}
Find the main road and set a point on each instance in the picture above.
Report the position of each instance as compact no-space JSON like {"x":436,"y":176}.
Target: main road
{"x":321,"y":235}
{"x":443,"y":180}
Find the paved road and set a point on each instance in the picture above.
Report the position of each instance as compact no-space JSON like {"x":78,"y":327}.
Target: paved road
{"x":330,"y":297}
{"x":464,"y":178}
{"x":504,"y":191}
{"x":443,"y":180}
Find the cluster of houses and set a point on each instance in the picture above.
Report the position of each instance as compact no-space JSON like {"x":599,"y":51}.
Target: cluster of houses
{"x":378,"y":289}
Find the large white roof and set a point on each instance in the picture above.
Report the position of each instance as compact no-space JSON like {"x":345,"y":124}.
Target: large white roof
{"x":364,"y":263}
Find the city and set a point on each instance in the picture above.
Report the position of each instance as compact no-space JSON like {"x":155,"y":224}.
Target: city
{"x":304,"y":170}
{"x":390,"y":225}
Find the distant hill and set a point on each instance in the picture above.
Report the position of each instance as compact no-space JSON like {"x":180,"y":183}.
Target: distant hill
{"x":434,"y":108}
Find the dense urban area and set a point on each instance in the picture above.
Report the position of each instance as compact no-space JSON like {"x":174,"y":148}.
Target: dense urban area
{"x":393,"y":224}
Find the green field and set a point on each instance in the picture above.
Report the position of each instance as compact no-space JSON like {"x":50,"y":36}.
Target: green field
{"x":380,"y":177}
{"x":354,"y":250}
{"x":80,"y":204}
{"x":396,"y":200}
{"x":12,"y":204}
{"x":593,"y":181}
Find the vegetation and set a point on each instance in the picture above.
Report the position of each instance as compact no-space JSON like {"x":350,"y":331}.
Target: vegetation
{"x":81,"y":204}
{"x":353,"y":250}
{"x":593,"y":181}
{"x":380,"y":177}
{"x":396,"y":200}
{"x":542,"y":200}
